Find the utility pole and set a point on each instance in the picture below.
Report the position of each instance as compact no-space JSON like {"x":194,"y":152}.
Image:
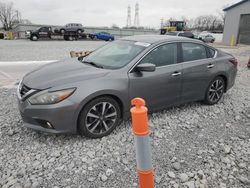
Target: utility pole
{"x":129,"y":17}
{"x":136,"y":21}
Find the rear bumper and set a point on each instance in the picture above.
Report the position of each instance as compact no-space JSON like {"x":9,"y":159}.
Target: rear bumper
{"x":231,"y":78}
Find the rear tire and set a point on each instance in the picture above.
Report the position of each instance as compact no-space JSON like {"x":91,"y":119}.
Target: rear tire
{"x":99,"y":117}
{"x":215,"y":91}
{"x":70,"y":38}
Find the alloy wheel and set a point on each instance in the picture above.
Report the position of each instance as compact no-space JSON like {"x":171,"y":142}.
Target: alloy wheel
{"x":101,"y":118}
{"x":34,"y":38}
{"x":216,"y":90}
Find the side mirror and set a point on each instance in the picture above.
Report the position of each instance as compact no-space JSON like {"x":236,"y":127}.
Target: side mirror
{"x":146,"y":67}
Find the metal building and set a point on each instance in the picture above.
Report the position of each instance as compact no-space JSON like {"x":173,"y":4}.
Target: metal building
{"x":237,"y":24}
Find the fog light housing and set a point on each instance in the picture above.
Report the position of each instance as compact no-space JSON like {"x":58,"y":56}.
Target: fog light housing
{"x":49,"y":125}
{"x":45,"y":124}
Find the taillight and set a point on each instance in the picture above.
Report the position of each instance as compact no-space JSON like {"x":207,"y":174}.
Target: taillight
{"x":233,"y":61}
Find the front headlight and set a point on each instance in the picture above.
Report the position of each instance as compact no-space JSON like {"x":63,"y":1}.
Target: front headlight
{"x":51,"y":97}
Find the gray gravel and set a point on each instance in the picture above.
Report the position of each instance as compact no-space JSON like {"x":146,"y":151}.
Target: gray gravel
{"x":193,"y":146}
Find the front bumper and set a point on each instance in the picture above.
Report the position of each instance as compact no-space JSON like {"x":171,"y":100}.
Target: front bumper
{"x":61,"y":116}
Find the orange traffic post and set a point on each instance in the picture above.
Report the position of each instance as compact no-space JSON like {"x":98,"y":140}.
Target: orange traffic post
{"x":142,"y":145}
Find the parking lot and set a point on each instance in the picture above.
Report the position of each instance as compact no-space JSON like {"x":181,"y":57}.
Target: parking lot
{"x":193,"y":145}
{"x":26,"y":50}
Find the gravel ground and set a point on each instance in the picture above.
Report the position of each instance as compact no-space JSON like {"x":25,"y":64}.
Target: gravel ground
{"x":26,"y":50}
{"x":194,"y":146}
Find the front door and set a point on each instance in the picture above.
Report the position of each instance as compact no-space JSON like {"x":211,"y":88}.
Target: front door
{"x":44,"y":32}
{"x":162,"y":87}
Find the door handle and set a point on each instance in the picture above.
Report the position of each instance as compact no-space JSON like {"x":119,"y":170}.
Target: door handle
{"x":176,"y":74}
{"x":210,"y":66}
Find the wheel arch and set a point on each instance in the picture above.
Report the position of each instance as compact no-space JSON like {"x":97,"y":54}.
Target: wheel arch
{"x":113,"y":96}
{"x":32,"y":35}
{"x":225,"y":79}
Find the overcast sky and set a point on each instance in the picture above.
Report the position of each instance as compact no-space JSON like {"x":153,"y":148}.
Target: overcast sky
{"x":108,"y":12}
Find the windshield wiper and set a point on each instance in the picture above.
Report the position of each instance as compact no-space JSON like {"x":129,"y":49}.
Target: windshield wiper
{"x":93,"y":64}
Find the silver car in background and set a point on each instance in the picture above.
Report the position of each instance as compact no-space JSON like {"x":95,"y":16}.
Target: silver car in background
{"x":70,"y":27}
{"x":206,"y":37}
{"x":91,"y":95}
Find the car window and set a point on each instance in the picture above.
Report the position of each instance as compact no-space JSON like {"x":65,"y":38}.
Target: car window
{"x":211,"y":52}
{"x":43,"y":29}
{"x":172,"y":33}
{"x":192,"y":52}
{"x":186,"y":34}
{"x":162,"y":55}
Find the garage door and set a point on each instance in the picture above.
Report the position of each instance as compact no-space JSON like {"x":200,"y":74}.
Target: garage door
{"x":244,"y":32}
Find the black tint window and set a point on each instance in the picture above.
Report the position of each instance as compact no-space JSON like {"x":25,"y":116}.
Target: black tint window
{"x":162,"y":55}
{"x":193,"y":52}
{"x":44,"y":29}
{"x":190,"y":35}
{"x":211,"y":52}
{"x":172,"y":33}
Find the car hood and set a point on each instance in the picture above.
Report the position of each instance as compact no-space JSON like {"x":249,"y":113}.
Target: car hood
{"x":62,"y":72}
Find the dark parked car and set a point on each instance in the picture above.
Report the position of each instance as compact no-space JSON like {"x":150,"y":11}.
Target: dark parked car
{"x":102,"y":36}
{"x":91,"y":94}
{"x":181,"y":34}
{"x":41,"y":33}
{"x":71,"y":27}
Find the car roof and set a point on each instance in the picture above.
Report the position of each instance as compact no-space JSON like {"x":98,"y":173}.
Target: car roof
{"x":157,"y":38}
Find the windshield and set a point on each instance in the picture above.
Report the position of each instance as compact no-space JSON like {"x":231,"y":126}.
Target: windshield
{"x":115,"y":54}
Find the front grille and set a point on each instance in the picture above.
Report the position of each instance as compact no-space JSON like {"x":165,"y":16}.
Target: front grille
{"x":24,"y":90}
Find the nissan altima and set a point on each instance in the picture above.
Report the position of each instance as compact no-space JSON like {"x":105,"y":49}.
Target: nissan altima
{"x":91,"y":95}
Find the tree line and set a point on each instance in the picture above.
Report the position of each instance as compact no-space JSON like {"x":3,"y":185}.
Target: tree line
{"x":213,"y":23}
{"x":9,"y":16}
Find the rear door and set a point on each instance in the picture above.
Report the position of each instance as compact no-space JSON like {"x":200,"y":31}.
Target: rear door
{"x":162,"y":87}
{"x":102,"y":36}
{"x":198,"y":70}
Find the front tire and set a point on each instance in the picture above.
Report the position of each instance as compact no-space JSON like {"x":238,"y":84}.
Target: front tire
{"x":99,"y":117}
{"x":215,"y":91}
{"x":62,"y":31}
{"x":79,"y":31}
{"x":34,"y":38}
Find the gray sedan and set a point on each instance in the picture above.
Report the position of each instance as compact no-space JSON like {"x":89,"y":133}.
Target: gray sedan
{"x":91,"y":95}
